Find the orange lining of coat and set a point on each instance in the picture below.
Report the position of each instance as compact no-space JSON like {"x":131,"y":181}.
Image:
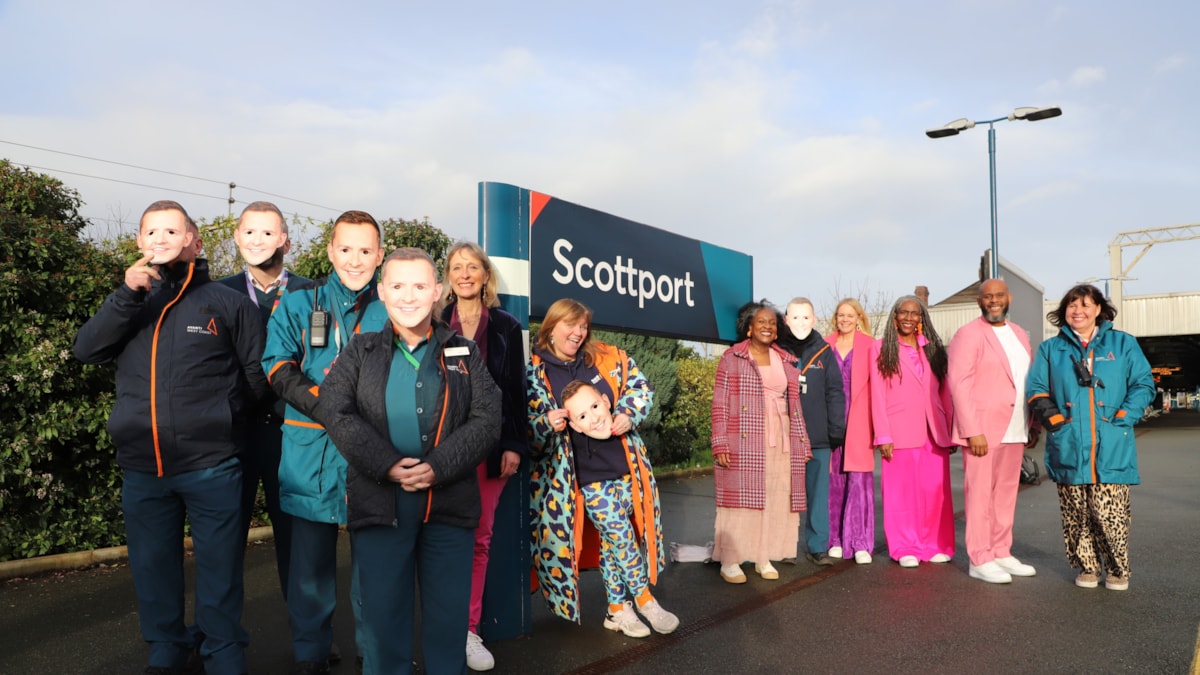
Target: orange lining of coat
{"x":438,"y":437}
{"x":154,"y":369}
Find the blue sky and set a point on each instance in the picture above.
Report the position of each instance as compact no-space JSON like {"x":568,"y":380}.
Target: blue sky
{"x":791,"y":131}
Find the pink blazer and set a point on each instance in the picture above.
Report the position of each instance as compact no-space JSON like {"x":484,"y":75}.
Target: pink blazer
{"x":859,"y":446}
{"x":981,"y":382}
{"x":908,"y":409}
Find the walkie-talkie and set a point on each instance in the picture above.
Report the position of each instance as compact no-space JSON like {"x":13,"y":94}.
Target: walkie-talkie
{"x":318,"y":322}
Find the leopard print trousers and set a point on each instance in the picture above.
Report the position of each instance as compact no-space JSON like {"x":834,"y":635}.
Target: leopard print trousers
{"x":1096,"y":527}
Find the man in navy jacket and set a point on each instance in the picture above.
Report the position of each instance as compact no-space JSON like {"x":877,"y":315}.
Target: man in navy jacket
{"x":188,"y":371}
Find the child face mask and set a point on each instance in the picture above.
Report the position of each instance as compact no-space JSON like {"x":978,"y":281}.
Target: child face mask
{"x":589,"y":413}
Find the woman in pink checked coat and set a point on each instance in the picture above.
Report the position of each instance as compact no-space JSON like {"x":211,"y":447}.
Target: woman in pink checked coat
{"x":760,"y":446}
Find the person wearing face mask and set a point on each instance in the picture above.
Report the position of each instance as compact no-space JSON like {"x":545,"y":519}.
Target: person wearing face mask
{"x":824,"y":404}
{"x":592,"y":465}
{"x":188,"y":378}
{"x":1088,"y":386}
{"x":262,"y":240}
{"x":470,"y":290}
{"x":305,"y":335}
{"x":760,"y":449}
{"x":911,"y":411}
{"x":414,"y":411}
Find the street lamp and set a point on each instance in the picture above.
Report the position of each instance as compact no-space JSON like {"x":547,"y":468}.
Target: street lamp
{"x":958,"y":126}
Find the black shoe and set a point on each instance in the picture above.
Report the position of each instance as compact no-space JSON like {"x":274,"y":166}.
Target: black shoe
{"x":820,"y":559}
{"x":358,"y":665}
{"x":335,"y":654}
{"x":311,"y":668}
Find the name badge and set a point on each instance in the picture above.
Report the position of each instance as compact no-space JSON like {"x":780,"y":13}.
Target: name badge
{"x":456,"y":351}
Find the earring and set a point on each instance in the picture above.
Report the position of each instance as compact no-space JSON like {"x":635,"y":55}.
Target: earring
{"x":551,"y":340}
{"x":920,"y":329}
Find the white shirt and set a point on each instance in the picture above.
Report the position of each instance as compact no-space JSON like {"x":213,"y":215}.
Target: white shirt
{"x":1018,"y":364}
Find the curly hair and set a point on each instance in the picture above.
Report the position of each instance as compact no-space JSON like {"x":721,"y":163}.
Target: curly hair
{"x":745,"y":316}
{"x":889,"y":352}
{"x":1058,"y":317}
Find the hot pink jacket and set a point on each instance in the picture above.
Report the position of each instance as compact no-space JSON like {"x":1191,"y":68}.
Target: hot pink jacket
{"x":859,"y":446}
{"x":907,"y":409}
{"x":981,"y":382}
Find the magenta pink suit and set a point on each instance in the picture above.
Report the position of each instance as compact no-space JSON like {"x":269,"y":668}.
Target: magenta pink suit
{"x":911,"y":410}
{"x":984,"y":392}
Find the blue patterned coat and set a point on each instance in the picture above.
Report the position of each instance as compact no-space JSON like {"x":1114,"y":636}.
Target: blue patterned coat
{"x":556,"y":504}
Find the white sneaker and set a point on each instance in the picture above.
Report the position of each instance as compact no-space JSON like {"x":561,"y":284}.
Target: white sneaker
{"x":662,"y":620}
{"x":862,"y":557}
{"x":990,"y":572}
{"x":940,"y":558}
{"x":909,"y":561}
{"x":627,"y":622}
{"x":478,"y":656}
{"x":1015,"y":567}
{"x":834,"y":552}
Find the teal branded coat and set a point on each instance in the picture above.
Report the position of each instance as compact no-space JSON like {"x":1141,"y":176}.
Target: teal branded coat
{"x":1096,"y":443}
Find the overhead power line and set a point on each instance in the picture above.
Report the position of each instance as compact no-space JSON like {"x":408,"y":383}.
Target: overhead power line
{"x":109,"y":161}
{"x":117,"y":180}
{"x":230,"y":184}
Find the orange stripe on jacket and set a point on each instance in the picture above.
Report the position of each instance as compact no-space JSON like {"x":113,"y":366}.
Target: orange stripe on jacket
{"x":154,"y":369}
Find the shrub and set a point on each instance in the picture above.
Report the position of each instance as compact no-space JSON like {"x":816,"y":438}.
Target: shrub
{"x":59,"y":485}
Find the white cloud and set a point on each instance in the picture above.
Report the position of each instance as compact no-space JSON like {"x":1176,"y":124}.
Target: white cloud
{"x":1171,"y":64}
{"x":1086,"y":76}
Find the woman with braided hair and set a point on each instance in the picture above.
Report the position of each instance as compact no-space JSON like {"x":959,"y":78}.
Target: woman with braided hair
{"x":911,"y":412}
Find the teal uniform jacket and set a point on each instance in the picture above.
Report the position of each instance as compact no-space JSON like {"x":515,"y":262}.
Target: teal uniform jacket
{"x":312,"y":474}
{"x":1095,"y":445}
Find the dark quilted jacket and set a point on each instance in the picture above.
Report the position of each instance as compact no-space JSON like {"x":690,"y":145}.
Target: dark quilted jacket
{"x":461,"y":423}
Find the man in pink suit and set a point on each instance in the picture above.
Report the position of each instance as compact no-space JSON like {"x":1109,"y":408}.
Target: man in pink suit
{"x":989,"y":359}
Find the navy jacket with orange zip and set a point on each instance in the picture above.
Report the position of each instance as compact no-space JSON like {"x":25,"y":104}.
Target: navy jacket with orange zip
{"x":458,"y":409}
{"x":188,"y":369}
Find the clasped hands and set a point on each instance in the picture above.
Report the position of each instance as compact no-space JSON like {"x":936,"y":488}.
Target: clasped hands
{"x":412,"y":474}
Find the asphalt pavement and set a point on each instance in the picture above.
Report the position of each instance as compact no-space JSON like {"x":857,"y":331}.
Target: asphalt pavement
{"x":843,"y":619}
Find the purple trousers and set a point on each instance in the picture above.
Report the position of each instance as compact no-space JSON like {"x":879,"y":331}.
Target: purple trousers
{"x":851,"y":508}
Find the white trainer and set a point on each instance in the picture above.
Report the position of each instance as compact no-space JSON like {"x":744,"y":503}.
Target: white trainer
{"x":1015,"y":567}
{"x":660,"y":619}
{"x":909,"y":561}
{"x":990,"y":572}
{"x":940,"y":558}
{"x":478,"y":656}
{"x":627,"y":622}
{"x":834,"y":552}
{"x":862,"y":557}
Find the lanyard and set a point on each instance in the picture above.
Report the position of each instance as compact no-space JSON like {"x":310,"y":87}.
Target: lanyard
{"x":278,"y":292}
{"x":362,"y":303}
{"x":412,"y":360}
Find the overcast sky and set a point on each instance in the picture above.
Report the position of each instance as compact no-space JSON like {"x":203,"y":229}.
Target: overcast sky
{"x":791,"y":131}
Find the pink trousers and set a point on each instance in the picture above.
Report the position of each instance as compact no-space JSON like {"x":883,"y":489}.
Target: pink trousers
{"x":990,"y":490}
{"x":489,"y":497}
{"x":918,"y":511}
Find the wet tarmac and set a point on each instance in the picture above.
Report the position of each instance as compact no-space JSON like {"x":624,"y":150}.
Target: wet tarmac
{"x":843,"y":619}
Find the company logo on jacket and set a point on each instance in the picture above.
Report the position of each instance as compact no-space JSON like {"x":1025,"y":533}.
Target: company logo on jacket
{"x":210,"y":329}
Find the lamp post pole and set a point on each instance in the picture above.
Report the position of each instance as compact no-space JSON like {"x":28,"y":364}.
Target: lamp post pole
{"x":957,"y":126}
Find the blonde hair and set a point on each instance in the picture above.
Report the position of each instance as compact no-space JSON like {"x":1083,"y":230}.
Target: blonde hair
{"x":567,"y":309}
{"x":864,"y":323}
{"x":491,"y":287}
